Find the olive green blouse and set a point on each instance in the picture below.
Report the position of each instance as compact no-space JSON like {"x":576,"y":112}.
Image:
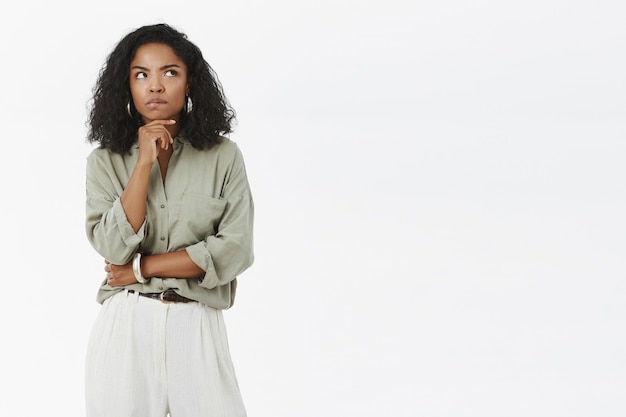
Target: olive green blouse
{"x":204,"y":207}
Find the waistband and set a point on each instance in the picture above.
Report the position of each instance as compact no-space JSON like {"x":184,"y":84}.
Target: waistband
{"x":168,"y":296}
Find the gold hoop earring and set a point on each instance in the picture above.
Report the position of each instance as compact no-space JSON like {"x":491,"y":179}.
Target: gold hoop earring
{"x":128,"y":110}
{"x":188,"y":104}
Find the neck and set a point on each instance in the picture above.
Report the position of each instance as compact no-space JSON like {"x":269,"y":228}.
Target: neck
{"x":174,"y":129}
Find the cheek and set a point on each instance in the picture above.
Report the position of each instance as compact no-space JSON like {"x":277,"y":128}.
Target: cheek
{"x":179,"y":95}
{"x":134,"y":94}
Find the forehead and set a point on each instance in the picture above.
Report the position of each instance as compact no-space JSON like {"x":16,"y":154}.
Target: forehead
{"x":155,"y":54}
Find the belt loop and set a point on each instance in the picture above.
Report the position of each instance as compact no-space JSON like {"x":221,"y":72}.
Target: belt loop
{"x":132,"y":293}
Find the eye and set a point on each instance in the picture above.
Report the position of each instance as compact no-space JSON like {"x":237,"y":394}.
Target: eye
{"x":141,"y":75}
{"x":171,"y":73}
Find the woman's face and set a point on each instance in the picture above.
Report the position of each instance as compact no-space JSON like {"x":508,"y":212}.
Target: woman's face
{"x":158,"y":82}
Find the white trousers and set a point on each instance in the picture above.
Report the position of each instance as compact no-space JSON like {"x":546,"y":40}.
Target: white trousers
{"x":147,"y":359}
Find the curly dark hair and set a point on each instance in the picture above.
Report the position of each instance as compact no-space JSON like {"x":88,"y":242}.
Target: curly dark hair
{"x":114,"y":128}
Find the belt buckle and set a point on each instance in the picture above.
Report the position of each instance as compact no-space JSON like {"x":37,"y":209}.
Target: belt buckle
{"x":163,"y":300}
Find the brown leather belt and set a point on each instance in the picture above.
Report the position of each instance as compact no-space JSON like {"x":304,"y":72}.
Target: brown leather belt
{"x":168,"y":296}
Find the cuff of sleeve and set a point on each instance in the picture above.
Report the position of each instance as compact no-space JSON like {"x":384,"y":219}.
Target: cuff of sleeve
{"x":201,"y":257}
{"x":127,"y":233}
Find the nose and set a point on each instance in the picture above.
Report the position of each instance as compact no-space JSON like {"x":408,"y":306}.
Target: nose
{"x":155,"y":85}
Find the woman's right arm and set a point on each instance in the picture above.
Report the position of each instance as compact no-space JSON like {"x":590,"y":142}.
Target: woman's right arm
{"x":116,"y":211}
{"x":135,"y":195}
{"x":152,"y":138}
{"x":107,"y":227}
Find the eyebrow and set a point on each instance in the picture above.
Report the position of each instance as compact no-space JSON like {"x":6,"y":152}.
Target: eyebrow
{"x":164,"y":67}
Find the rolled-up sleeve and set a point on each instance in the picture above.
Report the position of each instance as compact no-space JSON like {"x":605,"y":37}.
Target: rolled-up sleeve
{"x":107,"y":227}
{"x":229,"y":252}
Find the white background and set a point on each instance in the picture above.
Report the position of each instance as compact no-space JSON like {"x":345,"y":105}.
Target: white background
{"x":440,"y":202}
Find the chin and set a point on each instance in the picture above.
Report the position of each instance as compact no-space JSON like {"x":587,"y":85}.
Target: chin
{"x":158,"y":115}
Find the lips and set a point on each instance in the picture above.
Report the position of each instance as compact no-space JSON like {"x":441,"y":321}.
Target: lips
{"x":156,"y":101}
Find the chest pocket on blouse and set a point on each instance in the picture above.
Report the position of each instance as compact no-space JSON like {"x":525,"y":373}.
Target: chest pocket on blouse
{"x":198,"y":214}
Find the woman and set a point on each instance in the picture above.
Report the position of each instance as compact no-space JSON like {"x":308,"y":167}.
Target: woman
{"x":169,"y":208}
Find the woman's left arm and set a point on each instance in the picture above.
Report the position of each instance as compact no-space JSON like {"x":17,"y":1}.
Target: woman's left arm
{"x":177,"y":264}
{"x":229,"y":252}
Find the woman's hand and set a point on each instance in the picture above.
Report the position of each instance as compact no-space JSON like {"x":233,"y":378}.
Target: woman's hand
{"x":152,"y":137}
{"x":119,"y":275}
